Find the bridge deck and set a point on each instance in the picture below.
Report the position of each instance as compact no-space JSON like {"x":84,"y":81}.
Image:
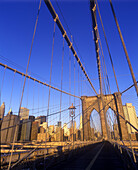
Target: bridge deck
{"x":99,"y":156}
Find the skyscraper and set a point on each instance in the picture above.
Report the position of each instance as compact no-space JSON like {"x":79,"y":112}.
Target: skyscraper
{"x":34,"y":130}
{"x":130,"y":115}
{"x":25,"y":130}
{"x":9,"y":124}
{"x":24,"y":113}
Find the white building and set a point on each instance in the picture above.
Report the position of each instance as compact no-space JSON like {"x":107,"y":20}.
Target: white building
{"x":130,"y":115}
{"x":66,"y":129}
{"x":80,"y":122}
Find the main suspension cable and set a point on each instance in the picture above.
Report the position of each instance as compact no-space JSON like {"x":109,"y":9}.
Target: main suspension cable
{"x":60,"y":26}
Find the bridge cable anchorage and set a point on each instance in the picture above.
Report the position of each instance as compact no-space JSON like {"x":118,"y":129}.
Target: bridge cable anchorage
{"x":107,"y":45}
{"x":124,"y":47}
{"x":60,"y":26}
{"x":25,"y":81}
{"x":38,"y":81}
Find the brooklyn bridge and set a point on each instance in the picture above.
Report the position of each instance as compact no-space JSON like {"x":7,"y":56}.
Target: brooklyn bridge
{"x":60,"y":109}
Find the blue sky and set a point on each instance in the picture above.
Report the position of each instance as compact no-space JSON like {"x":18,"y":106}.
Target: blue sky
{"x":16,"y":31}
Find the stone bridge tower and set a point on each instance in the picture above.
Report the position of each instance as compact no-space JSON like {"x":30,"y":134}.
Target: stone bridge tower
{"x":101,"y":105}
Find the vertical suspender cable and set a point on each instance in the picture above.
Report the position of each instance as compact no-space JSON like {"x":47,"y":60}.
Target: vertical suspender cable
{"x":33,"y":95}
{"x":27,"y":93}
{"x":38,"y":97}
{"x":43,"y":97}
{"x":29,"y":55}
{"x":51,"y":71}
{"x":60,"y":26}
{"x":79,"y":90}
{"x":21,"y":87}
{"x":2,"y":84}
{"x":69,"y":78}
{"x":12,"y":91}
{"x":61,"y":79}
{"x":107,"y":46}
{"x":104,"y":64}
{"x":125,"y":50}
{"x":24,"y":82}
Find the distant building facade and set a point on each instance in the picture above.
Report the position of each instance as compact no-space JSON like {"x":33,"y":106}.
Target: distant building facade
{"x":41,"y":119}
{"x":9,"y":124}
{"x":130,"y":115}
{"x":24,"y":113}
{"x":25,"y":130}
{"x":34,"y":130}
{"x":2,"y":110}
{"x":44,"y":125}
{"x":80,"y":122}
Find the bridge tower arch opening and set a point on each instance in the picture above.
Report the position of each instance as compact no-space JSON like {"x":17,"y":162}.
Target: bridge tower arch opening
{"x":95,"y":126}
{"x":101,"y":105}
{"x":112,"y":124}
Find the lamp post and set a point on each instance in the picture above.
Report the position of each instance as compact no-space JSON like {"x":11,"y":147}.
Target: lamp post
{"x":72,"y":114}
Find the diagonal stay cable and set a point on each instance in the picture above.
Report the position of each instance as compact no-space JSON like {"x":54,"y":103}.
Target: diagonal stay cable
{"x":24,"y":82}
{"x":124,"y":47}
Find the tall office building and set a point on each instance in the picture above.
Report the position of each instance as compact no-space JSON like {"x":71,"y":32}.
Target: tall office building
{"x":25,"y":130}
{"x":2,"y":110}
{"x":34,"y":130}
{"x":9,"y":124}
{"x":24,"y":113}
{"x":130,"y":115}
